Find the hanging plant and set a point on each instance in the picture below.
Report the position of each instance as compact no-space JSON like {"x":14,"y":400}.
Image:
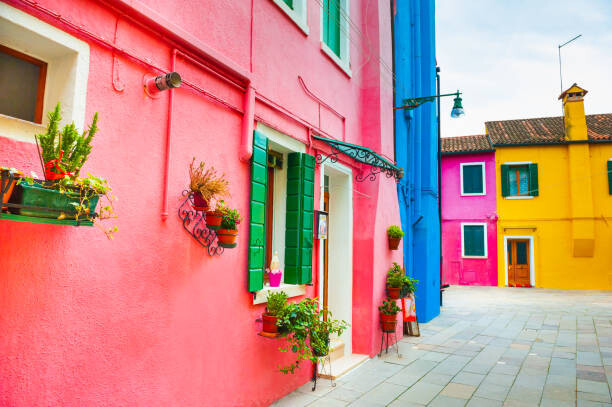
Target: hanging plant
{"x":206,"y":184}
{"x":394,"y":236}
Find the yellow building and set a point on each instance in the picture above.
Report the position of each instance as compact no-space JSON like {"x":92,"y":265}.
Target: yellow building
{"x":554,"y":198}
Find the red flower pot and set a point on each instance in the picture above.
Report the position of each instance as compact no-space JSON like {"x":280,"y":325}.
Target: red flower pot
{"x":199,"y":203}
{"x":394,"y":242}
{"x":227,"y":237}
{"x":213,"y":220}
{"x":394,"y":293}
{"x":388,"y":322}
{"x":269,"y":323}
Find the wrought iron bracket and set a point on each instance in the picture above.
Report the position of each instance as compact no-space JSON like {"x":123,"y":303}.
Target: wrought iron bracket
{"x":195,"y":224}
{"x":376,"y":164}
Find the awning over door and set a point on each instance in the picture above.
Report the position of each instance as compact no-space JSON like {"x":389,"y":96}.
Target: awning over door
{"x":378,"y":164}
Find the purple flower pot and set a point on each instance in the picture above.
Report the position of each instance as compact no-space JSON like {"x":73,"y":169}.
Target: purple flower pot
{"x":275,"y":279}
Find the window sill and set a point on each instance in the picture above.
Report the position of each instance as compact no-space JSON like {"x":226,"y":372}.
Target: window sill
{"x":342,"y":64}
{"x":475,"y":257}
{"x":519,"y":197}
{"x":292,"y":290}
{"x":20,"y":130}
{"x":480,"y":194}
{"x":297,"y":18}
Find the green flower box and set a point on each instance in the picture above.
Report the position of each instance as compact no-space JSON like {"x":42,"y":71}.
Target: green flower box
{"x":41,"y":202}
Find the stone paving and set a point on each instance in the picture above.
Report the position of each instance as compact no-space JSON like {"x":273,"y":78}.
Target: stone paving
{"x":490,"y":346}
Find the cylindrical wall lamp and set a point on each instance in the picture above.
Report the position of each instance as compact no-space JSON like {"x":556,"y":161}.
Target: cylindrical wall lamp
{"x":154,"y":85}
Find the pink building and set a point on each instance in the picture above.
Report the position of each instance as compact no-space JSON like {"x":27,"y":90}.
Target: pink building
{"x":150,"y":318}
{"x":469,"y":219}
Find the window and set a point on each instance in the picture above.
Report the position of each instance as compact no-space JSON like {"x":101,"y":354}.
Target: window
{"x":610,"y":176}
{"x":472,"y":179}
{"x":23,"y":80}
{"x":519,"y":180}
{"x":335,"y":31}
{"x":52,"y":66}
{"x":473,"y":240}
{"x":281,"y":215}
{"x":296,"y":10}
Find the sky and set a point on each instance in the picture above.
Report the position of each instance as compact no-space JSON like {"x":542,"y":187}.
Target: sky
{"x":503,"y":56}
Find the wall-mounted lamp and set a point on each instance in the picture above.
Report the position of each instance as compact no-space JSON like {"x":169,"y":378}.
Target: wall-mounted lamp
{"x":154,"y":85}
{"x":413,"y":103}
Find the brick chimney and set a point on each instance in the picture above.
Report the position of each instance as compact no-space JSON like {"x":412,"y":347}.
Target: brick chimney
{"x":573,"y":113}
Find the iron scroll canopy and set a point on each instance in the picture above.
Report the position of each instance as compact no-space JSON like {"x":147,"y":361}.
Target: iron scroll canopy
{"x":378,"y":164}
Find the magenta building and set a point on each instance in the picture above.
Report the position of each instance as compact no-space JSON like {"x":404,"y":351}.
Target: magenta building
{"x":469,"y":219}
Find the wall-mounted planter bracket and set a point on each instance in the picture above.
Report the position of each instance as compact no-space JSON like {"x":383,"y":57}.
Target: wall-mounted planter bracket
{"x":195,"y":224}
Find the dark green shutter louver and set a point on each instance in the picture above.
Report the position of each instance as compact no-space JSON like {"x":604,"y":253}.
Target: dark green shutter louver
{"x":257,"y":213}
{"x":533,"y":180}
{"x":473,"y":240}
{"x":331,"y":25}
{"x":505,"y":183}
{"x":472,"y":179}
{"x":299,"y":223}
{"x":610,"y":176}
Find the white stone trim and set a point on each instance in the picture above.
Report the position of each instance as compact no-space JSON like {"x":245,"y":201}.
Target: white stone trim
{"x":484,"y":236}
{"x":484,"y":179}
{"x":299,"y":13}
{"x":292,"y":290}
{"x":531,"y":258}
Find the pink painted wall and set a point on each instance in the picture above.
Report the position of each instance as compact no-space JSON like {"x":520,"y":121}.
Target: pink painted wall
{"x":457,"y":209}
{"x":149,"y":318}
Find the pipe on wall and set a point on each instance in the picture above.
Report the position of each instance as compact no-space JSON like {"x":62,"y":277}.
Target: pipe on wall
{"x":248,"y":118}
{"x":164,"y":213}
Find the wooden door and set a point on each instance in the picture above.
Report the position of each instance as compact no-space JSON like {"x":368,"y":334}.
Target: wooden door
{"x":325,"y":256}
{"x":519,"y":263}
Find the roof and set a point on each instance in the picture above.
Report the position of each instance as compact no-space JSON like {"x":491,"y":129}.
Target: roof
{"x":466,"y":144}
{"x":573,"y":88}
{"x":546,"y":130}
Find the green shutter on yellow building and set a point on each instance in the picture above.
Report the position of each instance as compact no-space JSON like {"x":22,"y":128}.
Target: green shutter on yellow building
{"x":610,"y":176}
{"x":533,"y":180}
{"x":299,"y":222}
{"x":257,"y":213}
{"x":505,"y":183}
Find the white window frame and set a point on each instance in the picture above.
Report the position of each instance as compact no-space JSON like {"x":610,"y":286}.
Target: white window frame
{"x":67,"y":59}
{"x":287,"y":144}
{"x":484,"y":179}
{"x":298,"y":14}
{"x":484,"y":225}
{"x":344,"y":60}
{"x":518,"y":197}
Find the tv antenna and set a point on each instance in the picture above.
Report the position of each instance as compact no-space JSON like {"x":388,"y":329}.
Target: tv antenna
{"x":560,"y":46}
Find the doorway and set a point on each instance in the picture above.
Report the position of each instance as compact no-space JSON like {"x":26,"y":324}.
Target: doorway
{"x":518,"y":256}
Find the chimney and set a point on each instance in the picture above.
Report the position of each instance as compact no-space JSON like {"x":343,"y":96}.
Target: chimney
{"x":573,"y":113}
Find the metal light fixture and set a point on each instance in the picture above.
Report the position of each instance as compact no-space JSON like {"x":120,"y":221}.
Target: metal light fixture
{"x":154,"y":85}
{"x":457,"y":107}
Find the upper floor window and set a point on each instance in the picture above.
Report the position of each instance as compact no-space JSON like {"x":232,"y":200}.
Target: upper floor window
{"x":473,"y":179}
{"x":296,"y":10}
{"x":519,"y":180}
{"x":23,"y":84}
{"x":610,"y":176}
{"x":335,"y":32}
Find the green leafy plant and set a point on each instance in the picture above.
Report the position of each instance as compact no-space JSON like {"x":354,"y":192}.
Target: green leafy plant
{"x":409,"y":285}
{"x":394,"y":231}
{"x":231,"y":217}
{"x":395,"y":276}
{"x":68,"y":144}
{"x":389,"y":307}
{"x":276,"y":303}
{"x":306,"y":332}
{"x":206,"y":181}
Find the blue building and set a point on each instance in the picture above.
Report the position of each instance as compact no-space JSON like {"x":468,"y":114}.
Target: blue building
{"x":416,"y":146}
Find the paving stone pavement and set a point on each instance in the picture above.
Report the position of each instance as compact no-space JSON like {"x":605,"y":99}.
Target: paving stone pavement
{"x":490,"y":346}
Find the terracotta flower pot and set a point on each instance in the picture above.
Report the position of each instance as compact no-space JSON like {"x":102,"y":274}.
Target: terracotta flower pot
{"x":227,"y":237}
{"x":199,"y":203}
{"x":394,"y":242}
{"x":213,"y":220}
{"x":388,"y":322}
{"x":269,"y":323}
{"x":394,"y":293}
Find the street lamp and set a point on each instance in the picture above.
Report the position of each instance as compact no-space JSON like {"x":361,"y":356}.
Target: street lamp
{"x":413,"y":103}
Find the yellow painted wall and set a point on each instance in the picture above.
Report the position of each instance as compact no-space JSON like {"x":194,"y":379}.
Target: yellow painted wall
{"x":548,"y":217}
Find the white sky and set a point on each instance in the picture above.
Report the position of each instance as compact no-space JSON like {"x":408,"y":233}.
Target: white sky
{"x":503,"y":56}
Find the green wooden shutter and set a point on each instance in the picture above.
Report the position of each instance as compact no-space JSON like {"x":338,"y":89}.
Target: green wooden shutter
{"x":473,"y":240}
{"x":289,"y":3}
{"x":533,"y":180}
{"x":331,"y":25}
{"x":257,"y":213}
{"x":610,"y":176}
{"x":505,"y":183}
{"x":299,"y":223}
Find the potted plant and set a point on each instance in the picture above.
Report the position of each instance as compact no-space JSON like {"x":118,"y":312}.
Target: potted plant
{"x":395,"y":281}
{"x":205,"y":184}
{"x":228,"y":232}
{"x":307,"y":334}
{"x":408,"y":286}
{"x":274,"y":309}
{"x":214,"y":217}
{"x":388,"y":315}
{"x":394,"y":235}
{"x":7,"y":183}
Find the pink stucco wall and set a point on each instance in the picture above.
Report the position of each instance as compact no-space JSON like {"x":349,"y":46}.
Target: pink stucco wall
{"x":149,"y":319}
{"x":457,"y":209}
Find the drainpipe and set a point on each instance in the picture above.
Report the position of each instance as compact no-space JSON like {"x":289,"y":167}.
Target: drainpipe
{"x":246,"y":144}
{"x":442,"y":285}
{"x":164,"y":213}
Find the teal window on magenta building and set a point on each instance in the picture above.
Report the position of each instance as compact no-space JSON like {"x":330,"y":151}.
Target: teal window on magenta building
{"x":331,"y":25}
{"x":474,"y":242}
{"x":472,"y":179}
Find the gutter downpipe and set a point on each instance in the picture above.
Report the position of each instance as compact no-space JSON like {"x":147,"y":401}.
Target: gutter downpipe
{"x":164,"y":213}
{"x":439,"y":177}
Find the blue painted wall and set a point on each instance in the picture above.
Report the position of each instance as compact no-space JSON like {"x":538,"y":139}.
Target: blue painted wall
{"x":416,"y":150}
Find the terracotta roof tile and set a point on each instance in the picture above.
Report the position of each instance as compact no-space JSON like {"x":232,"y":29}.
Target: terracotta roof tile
{"x":546,"y":130}
{"x":466,"y":144}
